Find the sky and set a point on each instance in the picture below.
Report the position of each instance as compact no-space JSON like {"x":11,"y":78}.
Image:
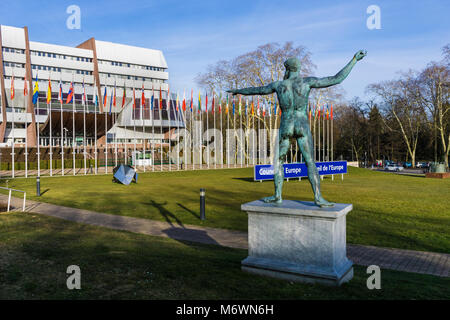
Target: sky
{"x":195,"y":34}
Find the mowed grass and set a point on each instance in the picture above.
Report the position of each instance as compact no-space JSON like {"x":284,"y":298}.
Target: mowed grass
{"x":35,"y":252}
{"x":390,"y":210}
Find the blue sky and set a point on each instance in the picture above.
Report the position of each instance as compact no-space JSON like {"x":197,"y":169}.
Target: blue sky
{"x":194,"y":34}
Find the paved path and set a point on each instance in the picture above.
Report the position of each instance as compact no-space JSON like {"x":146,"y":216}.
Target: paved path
{"x":437,"y":264}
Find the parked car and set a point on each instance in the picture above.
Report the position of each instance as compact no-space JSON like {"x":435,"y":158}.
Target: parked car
{"x":407,"y":164}
{"x":393,"y":167}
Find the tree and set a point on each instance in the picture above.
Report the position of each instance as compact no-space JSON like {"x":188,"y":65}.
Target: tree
{"x":435,"y":97}
{"x":401,"y":102}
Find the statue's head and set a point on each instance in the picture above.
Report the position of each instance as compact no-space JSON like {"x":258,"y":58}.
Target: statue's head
{"x":292,"y":65}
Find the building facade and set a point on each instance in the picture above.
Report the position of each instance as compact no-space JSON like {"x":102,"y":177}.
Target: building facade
{"x":93,"y":65}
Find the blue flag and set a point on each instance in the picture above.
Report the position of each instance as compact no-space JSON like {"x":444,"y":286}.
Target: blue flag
{"x":36,"y":90}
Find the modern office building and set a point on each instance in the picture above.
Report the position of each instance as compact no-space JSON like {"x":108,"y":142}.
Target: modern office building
{"x":106,"y":65}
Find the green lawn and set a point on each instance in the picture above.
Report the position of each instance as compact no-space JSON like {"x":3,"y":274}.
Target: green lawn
{"x":35,"y":252}
{"x":402,"y":211}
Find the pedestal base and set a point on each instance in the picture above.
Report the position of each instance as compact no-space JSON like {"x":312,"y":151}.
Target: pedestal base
{"x":441,"y":175}
{"x":298,"y":241}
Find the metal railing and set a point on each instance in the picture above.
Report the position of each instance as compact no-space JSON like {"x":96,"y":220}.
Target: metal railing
{"x":9,"y":197}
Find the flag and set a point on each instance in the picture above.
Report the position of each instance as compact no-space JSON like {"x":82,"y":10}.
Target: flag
{"x":134,"y":99}
{"x":113,"y":97}
{"x":309,"y":114}
{"x":124,"y":94}
{"x":275,"y":108}
{"x":184,"y":100}
{"x":206,"y":102}
{"x":111,"y":101}
{"x":95,"y":97}
{"x":13,"y":93}
{"x":70,"y":94}
{"x":168,"y":100}
{"x":160,"y":98}
{"x":152,"y":100}
{"x":264,"y":110}
{"x":143,"y":97}
{"x":25,"y":86}
{"x":49,"y":91}
{"x":83,"y":98}
{"x":331,"y":112}
{"x":240,"y":104}
{"x":257,"y":108}
{"x":233,"y":105}
{"x":246,"y":106}
{"x":176,"y":103}
{"x":105,"y":96}
{"x":192,"y":99}
{"x":328,"y":114}
{"x":220,"y":104}
{"x":60,"y":97}
{"x":253,"y":108}
{"x":199,"y":102}
{"x":36,"y":90}
{"x":226,"y":109}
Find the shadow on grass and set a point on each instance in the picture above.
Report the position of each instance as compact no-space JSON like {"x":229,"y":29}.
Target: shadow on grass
{"x":189,"y":236}
{"x":245,"y":179}
{"x":188,"y":210}
{"x":167,"y":215}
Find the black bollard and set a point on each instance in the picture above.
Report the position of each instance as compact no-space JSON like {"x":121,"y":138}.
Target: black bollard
{"x":202,"y":204}
{"x":38,"y":186}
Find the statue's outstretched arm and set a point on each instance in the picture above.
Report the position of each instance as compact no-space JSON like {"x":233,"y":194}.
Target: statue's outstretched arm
{"x":270,"y":88}
{"x":338,"y":77}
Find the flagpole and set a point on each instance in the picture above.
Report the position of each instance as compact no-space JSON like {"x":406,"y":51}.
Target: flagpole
{"x":178,"y":133}
{"x":38,"y":147}
{"x":73,"y":125}
{"x":115,"y":124}
{"x":51,"y":136}
{"x":270,"y":129}
{"x":191,"y":123}
{"x":221,"y":130}
{"x":207,"y":132}
{"x":215,"y":140}
{"x":25,"y":102}
{"x":200,"y":145}
{"x":13,"y":138}
{"x":84,"y":126}
{"x":105,"y":96}
{"x":160,"y":129}
{"x":94,"y":96}
{"x":323,"y":134}
{"x":240,"y":131}
{"x":62,"y":128}
{"x":143,"y":126}
{"x":185,"y":130}
{"x":234,"y":130}
{"x":226,"y":134}
{"x":153,"y":126}
{"x":168,"y":107}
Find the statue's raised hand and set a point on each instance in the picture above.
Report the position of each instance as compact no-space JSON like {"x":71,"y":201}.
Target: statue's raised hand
{"x":360,"y":54}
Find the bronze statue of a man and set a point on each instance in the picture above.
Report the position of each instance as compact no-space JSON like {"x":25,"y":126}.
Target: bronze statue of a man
{"x":292,"y":93}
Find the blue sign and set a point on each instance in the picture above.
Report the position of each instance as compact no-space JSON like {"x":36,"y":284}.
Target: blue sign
{"x":298,"y":170}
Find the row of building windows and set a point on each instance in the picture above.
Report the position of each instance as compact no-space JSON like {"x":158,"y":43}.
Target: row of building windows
{"x":13,"y":50}
{"x":59,"y":56}
{"x":13,"y":64}
{"x":57,"y":69}
{"x":130,"y":65}
{"x":82,"y":59}
{"x":119,"y":76}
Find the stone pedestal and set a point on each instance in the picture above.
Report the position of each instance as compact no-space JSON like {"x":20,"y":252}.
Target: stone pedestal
{"x":438,"y":175}
{"x":298,"y":241}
